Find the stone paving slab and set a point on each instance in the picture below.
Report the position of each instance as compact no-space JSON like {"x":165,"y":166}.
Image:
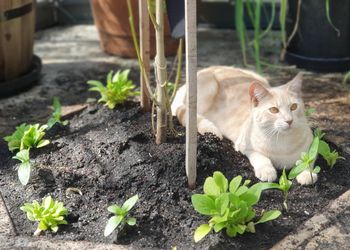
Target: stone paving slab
{"x":329,"y":230}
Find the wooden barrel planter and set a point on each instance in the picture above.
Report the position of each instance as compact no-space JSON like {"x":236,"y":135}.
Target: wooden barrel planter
{"x":18,"y":66}
{"x":17,"y":36}
{"x":112,"y":21}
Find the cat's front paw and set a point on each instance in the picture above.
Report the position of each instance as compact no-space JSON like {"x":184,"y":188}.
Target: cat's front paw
{"x":305,"y":178}
{"x":266,"y":173}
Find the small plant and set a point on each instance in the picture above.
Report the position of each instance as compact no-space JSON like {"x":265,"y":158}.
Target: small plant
{"x":25,"y":168}
{"x":26,"y":137}
{"x":50,"y":214}
{"x":56,"y":115}
{"x":118,"y":88}
{"x":284,"y":185}
{"x":121,"y":215}
{"x":318,"y":146}
{"x":230,"y":206}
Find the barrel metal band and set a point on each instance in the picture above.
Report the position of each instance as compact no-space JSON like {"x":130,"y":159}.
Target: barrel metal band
{"x":15,"y":13}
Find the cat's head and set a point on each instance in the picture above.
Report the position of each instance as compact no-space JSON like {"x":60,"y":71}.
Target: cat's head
{"x":279,"y":109}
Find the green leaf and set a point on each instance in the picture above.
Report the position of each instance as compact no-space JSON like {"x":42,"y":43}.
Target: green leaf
{"x":296,"y":170}
{"x":220,"y":181}
{"x":219,"y":226}
{"x":309,"y":112}
{"x":14,"y":140}
{"x":24,"y":173}
{"x":210,"y":187}
{"x":235,"y":183}
{"x":221,"y":203}
{"x":131,"y":221}
{"x":128,"y":204}
{"x":43,"y":143}
{"x":112,"y":224}
{"x":203,"y":204}
{"x":316,"y":170}
{"x":314,"y":148}
{"x":268,"y":216}
{"x":251,"y":227}
{"x":285,"y":184}
{"x":201,"y":232}
{"x":116,"y":210}
{"x":22,"y":156}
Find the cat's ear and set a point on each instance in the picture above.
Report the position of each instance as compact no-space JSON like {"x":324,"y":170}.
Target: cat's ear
{"x":257,"y":92}
{"x":294,"y":86}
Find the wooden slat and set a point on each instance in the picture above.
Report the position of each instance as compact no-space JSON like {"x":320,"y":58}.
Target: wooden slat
{"x":191,"y":83}
{"x":145,"y":52}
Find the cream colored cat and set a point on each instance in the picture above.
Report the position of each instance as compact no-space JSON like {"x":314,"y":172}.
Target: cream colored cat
{"x":267,"y":124}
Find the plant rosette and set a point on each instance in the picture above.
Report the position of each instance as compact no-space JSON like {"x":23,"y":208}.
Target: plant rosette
{"x":50,"y":214}
{"x":121,"y":215}
{"x":230,"y":206}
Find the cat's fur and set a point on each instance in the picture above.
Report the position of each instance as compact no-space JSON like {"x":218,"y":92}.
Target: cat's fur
{"x":236,"y":103}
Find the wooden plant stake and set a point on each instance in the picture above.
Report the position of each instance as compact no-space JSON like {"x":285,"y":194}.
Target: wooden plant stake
{"x":145,"y":53}
{"x":191,"y":83}
{"x":161,"y":75}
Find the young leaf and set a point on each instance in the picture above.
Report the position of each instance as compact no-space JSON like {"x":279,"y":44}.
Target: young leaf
{"x":296,"y":170}
{"x":314,"y":148}
{"x":203,"y":204}
{"x":112,"y":224}
{"x":220,"y":181}
{"x":201,"y":232}
{"x":24,"y":173}
{"x":221,"y":203}
{"x":316,"y":170}
{"x":269,"y":215}
{"x":210,"y":187}
{"x":131,"y":221}
{"x":128,"y":204}
{"x":14,"y":140}
{"x":234,"y":184}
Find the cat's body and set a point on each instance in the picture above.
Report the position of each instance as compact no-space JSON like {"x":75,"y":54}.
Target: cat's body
{"x":241,"y":106}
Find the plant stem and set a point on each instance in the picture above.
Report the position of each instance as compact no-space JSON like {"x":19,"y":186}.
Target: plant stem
{"x":37,"y":232}
{"x":161,"y":75}
{"x":178,"y":72}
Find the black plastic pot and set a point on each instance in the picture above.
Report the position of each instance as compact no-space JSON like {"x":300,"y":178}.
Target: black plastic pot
{"x":176,"y":15}
{"x":316,"y":46}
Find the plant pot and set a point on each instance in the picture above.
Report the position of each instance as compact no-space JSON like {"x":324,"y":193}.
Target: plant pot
{"x":176,"y":14}
{"x":112,"y":21}
{"x":17,"y":25}
{"x":316,"y":46}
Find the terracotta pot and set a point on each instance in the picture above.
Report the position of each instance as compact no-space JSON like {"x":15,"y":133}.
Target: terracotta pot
{"x":112,"y":21}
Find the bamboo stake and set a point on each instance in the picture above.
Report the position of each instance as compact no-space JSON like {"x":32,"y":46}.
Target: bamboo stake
{"x":145,"y":53}
{"x":191,"y":83}
{"x":161,"y":74}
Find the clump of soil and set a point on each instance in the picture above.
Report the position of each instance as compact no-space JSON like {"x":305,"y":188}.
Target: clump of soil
{"x":111,"y":155}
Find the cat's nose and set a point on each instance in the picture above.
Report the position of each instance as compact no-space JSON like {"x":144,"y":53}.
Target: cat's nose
{"x":289,"y":122}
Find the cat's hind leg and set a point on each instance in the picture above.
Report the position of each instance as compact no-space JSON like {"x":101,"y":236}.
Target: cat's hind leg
{"x":203,"y":124}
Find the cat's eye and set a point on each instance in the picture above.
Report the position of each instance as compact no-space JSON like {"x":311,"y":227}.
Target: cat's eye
{"x":274,"y":110}
{"x":293,"y":107}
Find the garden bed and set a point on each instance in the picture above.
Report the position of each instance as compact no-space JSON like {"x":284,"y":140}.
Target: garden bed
{"x":111,"y":155}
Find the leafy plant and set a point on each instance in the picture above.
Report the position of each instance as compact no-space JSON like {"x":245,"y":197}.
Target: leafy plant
{"x":346,"y":77}
{"x":25,"y":168}
{"x":50,"y":214}
{"x":318,"y":146}
{"x":309,"y":112}
{"x":56,"y":115}
{"x":118,"y":88}
{"x":26,"y":137}
{"x":121,"y":215}
{"x":230,"y":206}
{"x":284,"y":185}
{"x":14,"y":140}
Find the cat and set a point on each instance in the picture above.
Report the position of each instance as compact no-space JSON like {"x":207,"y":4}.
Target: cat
{"x":267,"y":124}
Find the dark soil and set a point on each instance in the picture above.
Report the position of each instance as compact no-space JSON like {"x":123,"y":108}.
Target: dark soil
{"x":111,"y":155}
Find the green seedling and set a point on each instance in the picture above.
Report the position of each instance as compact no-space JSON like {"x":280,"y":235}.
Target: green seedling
{"x":121,"y":215}
{"x":25,"y":168}
{"x":230,"y":206}
{"x":309,"y":112}
{"x":26,"y":137}
{"x":14,"y":140}
{"x":118,"y":89}
{"x":56,"y":115}
{"x":50,"y":214}
{"x":284,"y":185}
